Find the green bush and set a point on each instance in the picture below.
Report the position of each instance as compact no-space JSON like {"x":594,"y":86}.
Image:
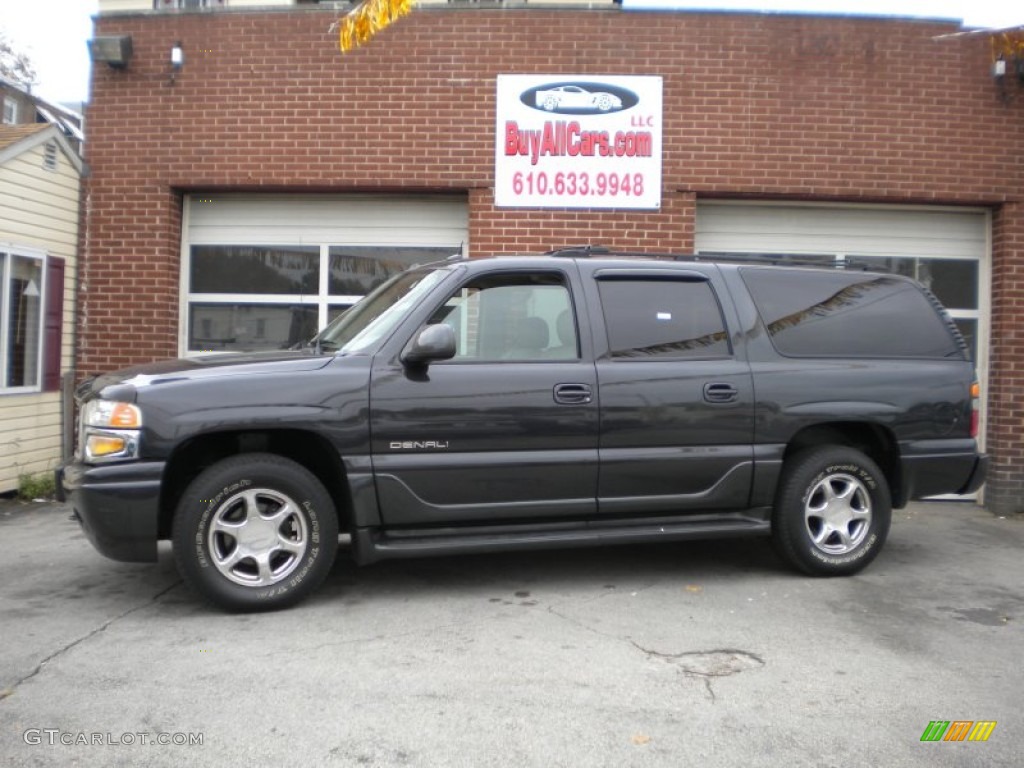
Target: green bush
{"x":41,"y":486}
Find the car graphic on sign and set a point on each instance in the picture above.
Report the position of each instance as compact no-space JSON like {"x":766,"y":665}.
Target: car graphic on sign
{"x":575,"y":97}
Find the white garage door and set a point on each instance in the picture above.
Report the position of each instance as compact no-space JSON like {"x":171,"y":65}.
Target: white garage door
{"x":267,"y":271}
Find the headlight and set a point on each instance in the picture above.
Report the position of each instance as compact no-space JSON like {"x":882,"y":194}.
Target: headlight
{"x":109,"y":431}
{"x":111,"y":414}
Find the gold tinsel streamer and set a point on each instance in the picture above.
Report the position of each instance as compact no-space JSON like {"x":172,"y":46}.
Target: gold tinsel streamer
{"x":367,"y":19}
{"x":1008,"y":45}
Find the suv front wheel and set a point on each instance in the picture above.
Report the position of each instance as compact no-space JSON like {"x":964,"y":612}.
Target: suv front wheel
{"x":832,"y":512}
{"x":255,"y":532}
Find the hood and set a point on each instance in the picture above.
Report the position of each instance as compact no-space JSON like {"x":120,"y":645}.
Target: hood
{"x":195,"y":368}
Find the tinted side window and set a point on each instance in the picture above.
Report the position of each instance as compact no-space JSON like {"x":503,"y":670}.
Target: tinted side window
{"x":842,"y":314}
{"x":662,"y":319}
{"x":519,"y":316}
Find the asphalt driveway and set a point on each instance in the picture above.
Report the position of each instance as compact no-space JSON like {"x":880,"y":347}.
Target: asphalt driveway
{"x":703,"y":653}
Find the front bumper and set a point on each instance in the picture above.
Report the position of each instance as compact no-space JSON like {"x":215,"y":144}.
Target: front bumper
{"x":117,"y":504}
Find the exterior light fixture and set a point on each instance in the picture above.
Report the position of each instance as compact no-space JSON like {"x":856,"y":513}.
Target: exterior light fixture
{"x":115,"y":50}
{"x":177,"y":56}
{"x":999,"y":68}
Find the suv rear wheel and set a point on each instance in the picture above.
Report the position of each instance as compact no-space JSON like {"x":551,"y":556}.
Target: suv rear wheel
{"x":832,"y":512}
{"x":255,"y":532}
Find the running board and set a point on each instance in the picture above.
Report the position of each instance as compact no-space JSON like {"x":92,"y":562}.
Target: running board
{"x":371,"y":544}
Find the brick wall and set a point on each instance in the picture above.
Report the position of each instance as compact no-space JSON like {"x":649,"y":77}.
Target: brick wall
{"x":785,"y":107}
{"x":1005,"y":489}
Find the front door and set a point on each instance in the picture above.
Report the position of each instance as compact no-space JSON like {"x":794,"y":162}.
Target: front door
{"x":505,"y":431}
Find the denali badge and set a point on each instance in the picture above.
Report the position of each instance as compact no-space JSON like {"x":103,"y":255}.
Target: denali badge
{"x":417,"y":445}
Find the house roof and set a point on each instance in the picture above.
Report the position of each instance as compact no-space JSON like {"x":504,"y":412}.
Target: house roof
{"x":68,"y":120}
{"x":12,"y":134}
{"x":16,"y":139}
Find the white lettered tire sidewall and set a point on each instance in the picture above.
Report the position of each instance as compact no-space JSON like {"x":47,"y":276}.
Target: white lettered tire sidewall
{"x":226,"y":479}
{"x":805,"y":472}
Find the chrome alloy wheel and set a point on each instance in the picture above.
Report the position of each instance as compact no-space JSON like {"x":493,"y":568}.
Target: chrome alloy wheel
{"x":838,"y":514}
{"x":257,"y":537}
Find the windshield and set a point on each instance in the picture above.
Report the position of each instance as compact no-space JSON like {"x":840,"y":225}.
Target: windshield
{"x":373,"y":318}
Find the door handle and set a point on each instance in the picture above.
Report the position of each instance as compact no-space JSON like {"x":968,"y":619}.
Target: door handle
{"x":719,"y":392}
{"x":573,"y":394}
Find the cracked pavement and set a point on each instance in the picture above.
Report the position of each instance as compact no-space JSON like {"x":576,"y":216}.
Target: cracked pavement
{"x":707,"y":653}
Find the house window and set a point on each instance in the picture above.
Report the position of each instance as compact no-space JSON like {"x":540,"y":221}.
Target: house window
{"x":252,"y":297}
{"x":21,"y":321}
{"x":10,"y":111}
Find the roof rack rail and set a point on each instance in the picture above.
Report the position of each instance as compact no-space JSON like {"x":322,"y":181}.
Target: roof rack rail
{"x":779,"y":260}
{"x":575,"y":251}
{"x":586,"y":251}
{"x":782,"y":260}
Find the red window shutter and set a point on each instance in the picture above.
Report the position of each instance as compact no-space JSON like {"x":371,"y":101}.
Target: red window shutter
{"x":53,"y":322}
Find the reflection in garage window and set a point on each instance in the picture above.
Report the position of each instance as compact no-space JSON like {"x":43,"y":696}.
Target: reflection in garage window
{"x":357,"y":270}
{"x":255,"y":269}
{"x":252,"y":297}
{"x":240,"y":327}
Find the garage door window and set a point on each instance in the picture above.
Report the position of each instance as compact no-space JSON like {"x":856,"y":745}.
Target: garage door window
{"x":252,"y":297}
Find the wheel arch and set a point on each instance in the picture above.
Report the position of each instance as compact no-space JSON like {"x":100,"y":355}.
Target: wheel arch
{"x":875,"y":441}
{"x":313,"y":451}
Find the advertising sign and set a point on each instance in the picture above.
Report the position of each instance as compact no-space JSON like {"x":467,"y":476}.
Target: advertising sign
{"x":578,"y":141}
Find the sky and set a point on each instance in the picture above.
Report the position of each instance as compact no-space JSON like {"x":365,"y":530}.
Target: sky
{"x":53,"y":32}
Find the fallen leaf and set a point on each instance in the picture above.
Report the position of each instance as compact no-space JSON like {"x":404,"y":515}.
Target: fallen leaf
{"x":640,"y":738}
{"x":694,"y":588}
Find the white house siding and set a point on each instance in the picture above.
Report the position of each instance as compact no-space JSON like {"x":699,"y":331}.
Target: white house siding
{"x":38,"y":210}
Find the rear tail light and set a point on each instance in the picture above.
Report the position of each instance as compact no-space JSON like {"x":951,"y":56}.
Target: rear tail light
{"x":975,"y":405}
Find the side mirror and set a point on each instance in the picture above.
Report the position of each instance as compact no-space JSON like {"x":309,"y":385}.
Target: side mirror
{"x":435,"y":342}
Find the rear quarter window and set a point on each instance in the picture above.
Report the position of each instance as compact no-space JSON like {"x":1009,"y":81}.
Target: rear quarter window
{"x":843,"y":314}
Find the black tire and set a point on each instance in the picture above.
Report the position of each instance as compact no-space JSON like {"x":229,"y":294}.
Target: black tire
{"x":224,"y":526}
{"x":832,"y":511}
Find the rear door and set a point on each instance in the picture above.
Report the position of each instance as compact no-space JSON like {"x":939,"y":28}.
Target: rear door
{"x":505,"y":431}
{"x":677,"y":401}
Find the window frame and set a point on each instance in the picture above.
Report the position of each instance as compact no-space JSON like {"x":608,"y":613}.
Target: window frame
{"x":13,"y":106}
{"x":10,"y":250}
{"x":666,"y":276}
{"x":839,"y":259}
{"x":878,"y":351}
{"x":565,"y":282}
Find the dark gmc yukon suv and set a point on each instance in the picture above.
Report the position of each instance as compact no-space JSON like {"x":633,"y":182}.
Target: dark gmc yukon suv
{"x":525,"y":402}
